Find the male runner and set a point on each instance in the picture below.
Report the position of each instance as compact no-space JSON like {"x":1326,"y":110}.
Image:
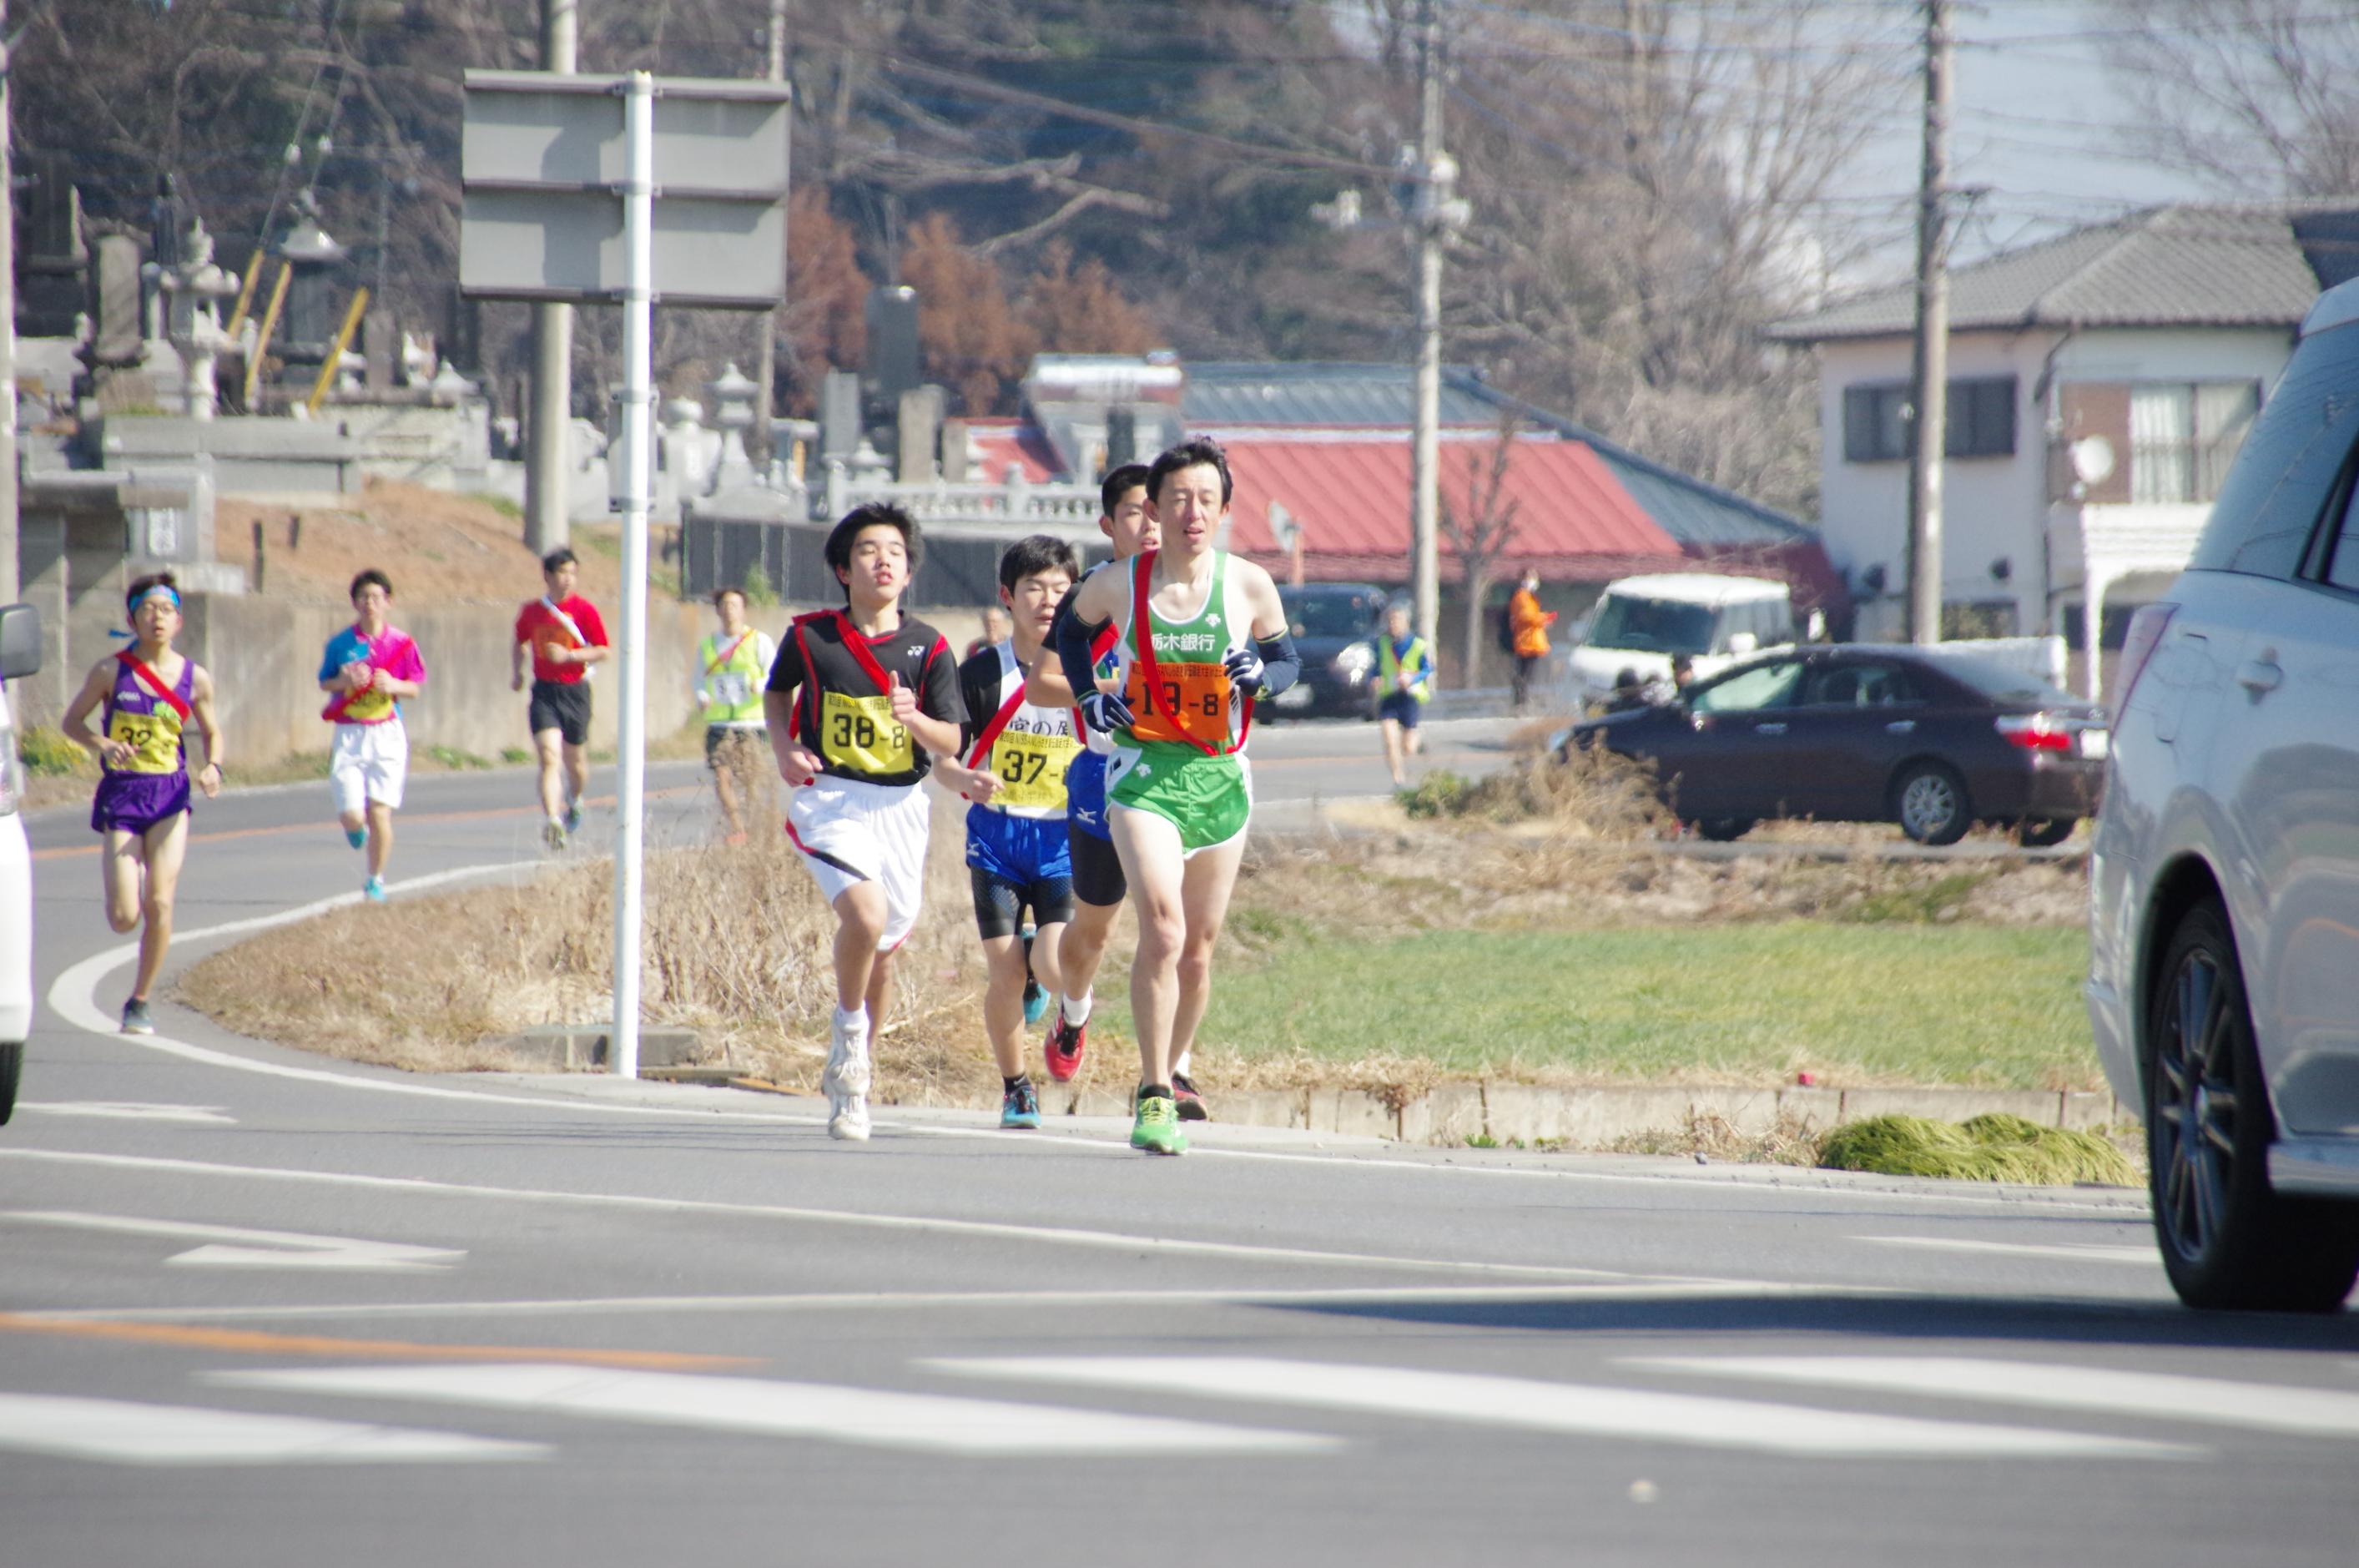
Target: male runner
{"x":856,"y":701}
{"x":731,"y":667}
{"x":1016,"y":855}
{"x":149,"y":693}
{"x":1098,"y":886}
{"x":1201,"y":635}
{"x":567,"y":638}
{"x":368,"y":668}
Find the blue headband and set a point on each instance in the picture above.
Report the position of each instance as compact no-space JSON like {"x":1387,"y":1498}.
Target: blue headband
{"x":131,"y":607}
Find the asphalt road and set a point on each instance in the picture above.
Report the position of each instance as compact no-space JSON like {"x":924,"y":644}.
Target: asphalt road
{"x":257,"y":1308}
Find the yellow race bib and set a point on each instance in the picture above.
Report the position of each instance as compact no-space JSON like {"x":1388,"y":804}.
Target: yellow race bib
{"x":1031,"y":769}
{"x":861,"y":734}
{"x":154,"y":739}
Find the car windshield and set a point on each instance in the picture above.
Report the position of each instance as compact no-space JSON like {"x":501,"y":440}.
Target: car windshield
{"x":2001,"y":683}
{"x":1652,"y":626}
{"x":1335,"y":614}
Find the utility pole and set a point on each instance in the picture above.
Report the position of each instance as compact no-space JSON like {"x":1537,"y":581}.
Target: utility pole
{"x":8,"y":579}
{"x":547,"y":453}
{"x":766,"y":356}
{"x":1435,"y":172}
{"x":1929,"y":372}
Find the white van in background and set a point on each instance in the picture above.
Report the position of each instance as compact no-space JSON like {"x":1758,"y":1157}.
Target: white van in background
{"x":1640,"y":622}
{"x":20,"y":654}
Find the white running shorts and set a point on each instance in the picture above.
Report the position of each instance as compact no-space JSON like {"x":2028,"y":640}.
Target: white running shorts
{"x":368,"y":762}
{"x":850,"y":831}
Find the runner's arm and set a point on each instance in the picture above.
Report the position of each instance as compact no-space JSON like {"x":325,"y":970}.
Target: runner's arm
{"x":1279,"y":666}
{"x":798,"y":764}
{"x":76,"y":723}
{"x":1079,"y":617}
{"x":516,"y":656}
{"x":201,"y":703}
{"x":935,"y":719}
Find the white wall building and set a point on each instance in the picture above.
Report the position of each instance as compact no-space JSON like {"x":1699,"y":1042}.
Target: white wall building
{"x":2100,"y":383}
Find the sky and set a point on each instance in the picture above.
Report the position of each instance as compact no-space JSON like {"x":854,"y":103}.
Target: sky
{"x":2039,"y":120}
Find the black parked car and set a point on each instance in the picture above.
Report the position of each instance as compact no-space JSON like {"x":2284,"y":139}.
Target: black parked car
{"x":1865,"y":733}
{"x":1334,"y":627}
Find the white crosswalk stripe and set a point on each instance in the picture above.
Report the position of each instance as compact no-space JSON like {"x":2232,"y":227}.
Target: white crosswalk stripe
{"x":123,"y":1432}
{"x":2320,"y":1412}
{"x":1565,"y":1408}
{"x":874,"y":1418}
{"x":2083,"y":1253}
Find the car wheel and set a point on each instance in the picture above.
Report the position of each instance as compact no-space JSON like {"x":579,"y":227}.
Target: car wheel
{"x":12,"y":1062}
{"x":2039,"y":832}
{"x":1723,"y":830}
{"x":2228,"y":1241}
{"x":1930,"y":799}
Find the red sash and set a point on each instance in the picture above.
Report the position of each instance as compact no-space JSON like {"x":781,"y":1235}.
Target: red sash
{"x":716,"y":665}
{"x":1150,"y":673}
{"x":155,"y":683}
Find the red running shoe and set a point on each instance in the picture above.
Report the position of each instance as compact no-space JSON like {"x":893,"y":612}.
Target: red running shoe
{"x":1190,"y":1104}
{"x":1064,"y":1048}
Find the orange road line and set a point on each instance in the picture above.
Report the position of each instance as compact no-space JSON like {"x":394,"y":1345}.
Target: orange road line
{"x":71,"y":851}
{"x":262,"y":1343}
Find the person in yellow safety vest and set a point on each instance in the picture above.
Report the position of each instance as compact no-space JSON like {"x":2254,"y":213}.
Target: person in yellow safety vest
{"x":730,"y":666}
{"x":1405,"y":676}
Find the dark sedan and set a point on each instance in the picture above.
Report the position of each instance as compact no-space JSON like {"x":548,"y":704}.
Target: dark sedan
{"x":1863,"y":733}
{"x":1335,"y":626}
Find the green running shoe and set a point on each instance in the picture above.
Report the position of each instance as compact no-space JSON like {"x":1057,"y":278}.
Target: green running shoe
{"x":1157,"y":1131}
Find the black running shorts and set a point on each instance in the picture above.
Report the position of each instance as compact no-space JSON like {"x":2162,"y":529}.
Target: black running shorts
{"x":1097,"y":870}
{"x":999,"y":904}
{"x":562,"y":707}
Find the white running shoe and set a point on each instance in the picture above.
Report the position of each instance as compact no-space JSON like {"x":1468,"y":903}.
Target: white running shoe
{"x":850,"y":1121}
{"x":847,"y":1061}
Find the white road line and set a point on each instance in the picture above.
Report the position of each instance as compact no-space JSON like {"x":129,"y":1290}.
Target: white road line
{"x":232,"y":1246}
{"x":865,"y":1302}
{"x":1115,"y":1241}
{"x":127,"y":1111}
{"x":2317,"y":1412}
{"x":2078,"y":1254}
{"x":122,"y":1432}
{"x":74,"y":998}
{"x":1565,"y":1408}
{"x":869,"y":1417}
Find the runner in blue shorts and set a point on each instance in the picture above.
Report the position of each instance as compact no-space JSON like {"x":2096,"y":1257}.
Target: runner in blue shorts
{"x":1018,"y":752}
{"x":149,"y":693}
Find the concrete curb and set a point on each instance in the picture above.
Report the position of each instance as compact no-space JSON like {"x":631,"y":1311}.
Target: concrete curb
{"x":1592,"y":1118}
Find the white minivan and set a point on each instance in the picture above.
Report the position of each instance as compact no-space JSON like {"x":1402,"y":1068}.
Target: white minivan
{"x":1640,"y":622}
{"x":20,"y":654}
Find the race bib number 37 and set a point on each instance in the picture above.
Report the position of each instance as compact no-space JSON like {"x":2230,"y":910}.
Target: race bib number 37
{"x":1031,"y":768}
{"x":861,"y":734}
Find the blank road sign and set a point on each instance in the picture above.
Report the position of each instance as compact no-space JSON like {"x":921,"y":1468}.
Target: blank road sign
{"x":541,"y":164}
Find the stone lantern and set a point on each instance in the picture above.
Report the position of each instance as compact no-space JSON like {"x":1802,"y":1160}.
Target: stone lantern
{"x":192,"y":288}
{"x":732,"y":400}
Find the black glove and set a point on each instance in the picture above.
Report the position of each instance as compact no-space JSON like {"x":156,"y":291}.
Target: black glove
{"x":1246,"y":671}
{"x":1106,"y":710}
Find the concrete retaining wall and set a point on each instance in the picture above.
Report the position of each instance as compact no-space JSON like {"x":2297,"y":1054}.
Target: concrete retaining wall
{"x":1595,"y":1119}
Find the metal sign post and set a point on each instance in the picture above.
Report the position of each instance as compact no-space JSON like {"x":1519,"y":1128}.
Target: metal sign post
{"x":567,"y":200}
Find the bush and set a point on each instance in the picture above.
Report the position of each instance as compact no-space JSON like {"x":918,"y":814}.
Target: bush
{"x":1991,"y":1147}
{"x":46,"y":751}
{"x":1595,"y":793}
{"x":759,"y":595}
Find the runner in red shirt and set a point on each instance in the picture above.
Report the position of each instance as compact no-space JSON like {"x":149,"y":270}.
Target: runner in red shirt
{"x":566,"y":636}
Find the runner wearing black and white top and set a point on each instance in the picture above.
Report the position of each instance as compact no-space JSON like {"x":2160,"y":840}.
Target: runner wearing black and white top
{"x":859,"y":702}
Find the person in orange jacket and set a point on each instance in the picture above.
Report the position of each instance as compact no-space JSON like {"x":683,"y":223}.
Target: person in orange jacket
{"x":1528,"y":625}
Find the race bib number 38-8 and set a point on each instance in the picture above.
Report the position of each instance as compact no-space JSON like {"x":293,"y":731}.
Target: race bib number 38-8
{"x":862,"y":735}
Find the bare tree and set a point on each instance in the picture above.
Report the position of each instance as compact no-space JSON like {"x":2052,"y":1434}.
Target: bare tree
{"x":2252,"y":95}
{"x":1481,"y":532}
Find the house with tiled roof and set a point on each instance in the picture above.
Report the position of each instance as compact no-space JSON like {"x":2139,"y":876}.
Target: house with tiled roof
{"x":2100,"y":383}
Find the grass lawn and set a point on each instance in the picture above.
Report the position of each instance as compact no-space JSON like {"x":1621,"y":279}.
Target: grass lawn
{"x":1740,"y":1002}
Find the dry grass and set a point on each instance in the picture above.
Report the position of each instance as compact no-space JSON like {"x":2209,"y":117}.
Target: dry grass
{"x":1710,"y":1135}
{"x":737,"y":940}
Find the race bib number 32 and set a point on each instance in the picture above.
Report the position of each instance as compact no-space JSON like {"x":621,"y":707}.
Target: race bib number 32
{"x":861,"y":734}
{"x":154,"y":740}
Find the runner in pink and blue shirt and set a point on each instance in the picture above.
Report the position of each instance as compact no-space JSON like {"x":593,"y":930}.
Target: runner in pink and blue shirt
{"x":368,"y":668}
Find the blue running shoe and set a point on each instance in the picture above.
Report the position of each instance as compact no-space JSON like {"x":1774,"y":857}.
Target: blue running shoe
{"x":1020,"y":1107}
{"x":573,"y":818}
{"x":356,"y":837}
{"x":374,"y":889}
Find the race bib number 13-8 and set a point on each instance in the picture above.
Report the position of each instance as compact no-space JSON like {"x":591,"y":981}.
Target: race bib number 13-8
{"x":862,"y":735}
